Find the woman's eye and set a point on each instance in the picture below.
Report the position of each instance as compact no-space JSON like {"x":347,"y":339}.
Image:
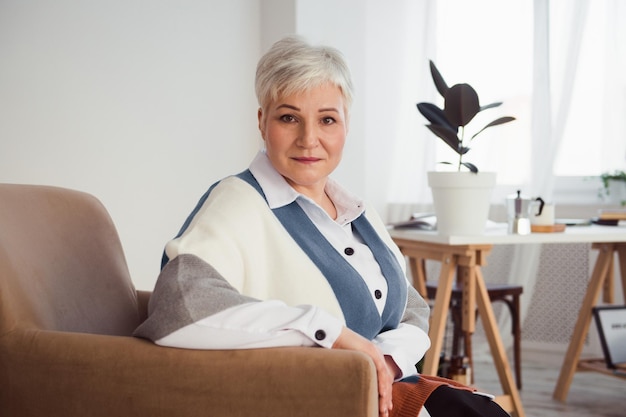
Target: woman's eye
{"x":328,"y":120}
{"x":287,"y":118}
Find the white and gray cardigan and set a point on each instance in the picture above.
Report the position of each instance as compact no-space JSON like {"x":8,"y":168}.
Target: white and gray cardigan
{"x":233,"y":249}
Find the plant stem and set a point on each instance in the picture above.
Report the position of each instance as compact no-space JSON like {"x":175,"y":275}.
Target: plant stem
{"x":461,"y":147}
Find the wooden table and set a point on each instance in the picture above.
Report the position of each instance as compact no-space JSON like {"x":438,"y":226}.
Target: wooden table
{"x":464,"y":256}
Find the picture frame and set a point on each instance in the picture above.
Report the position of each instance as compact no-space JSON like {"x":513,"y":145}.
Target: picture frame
{"x":611,"y":324}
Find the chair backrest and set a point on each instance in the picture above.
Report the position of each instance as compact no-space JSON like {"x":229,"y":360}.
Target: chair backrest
{"x":62,"y":266}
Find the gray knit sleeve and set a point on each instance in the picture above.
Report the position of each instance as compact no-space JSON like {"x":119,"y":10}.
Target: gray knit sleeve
{"x":417,"y":311}
{"x":187,"y":290}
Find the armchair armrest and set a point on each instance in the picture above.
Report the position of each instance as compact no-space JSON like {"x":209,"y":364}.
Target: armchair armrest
{"x":75,"y":374}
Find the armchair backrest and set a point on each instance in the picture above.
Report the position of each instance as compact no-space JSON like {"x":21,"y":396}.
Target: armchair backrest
{"x":62,"y":267}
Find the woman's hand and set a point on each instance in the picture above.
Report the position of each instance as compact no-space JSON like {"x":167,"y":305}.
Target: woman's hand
{"x":351,"y":340}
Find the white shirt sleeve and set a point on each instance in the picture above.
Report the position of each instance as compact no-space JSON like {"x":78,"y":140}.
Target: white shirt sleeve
{"x":258,"y":325}
{"x":406,"y":345}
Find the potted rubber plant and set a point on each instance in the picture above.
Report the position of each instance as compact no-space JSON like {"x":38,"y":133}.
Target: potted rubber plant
{"x":461,"y":198}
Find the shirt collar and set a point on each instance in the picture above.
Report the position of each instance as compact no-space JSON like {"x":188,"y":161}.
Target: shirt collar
{"x":279,"y":193}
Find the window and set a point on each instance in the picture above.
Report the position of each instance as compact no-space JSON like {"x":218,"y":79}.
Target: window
{"x":494,"y":55}
{"x":489,"y":44}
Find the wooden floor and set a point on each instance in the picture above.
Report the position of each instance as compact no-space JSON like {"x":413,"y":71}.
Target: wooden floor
{"x":591,"y":394}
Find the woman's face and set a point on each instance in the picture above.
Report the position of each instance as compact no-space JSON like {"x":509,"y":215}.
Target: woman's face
{"x":304,"y":136}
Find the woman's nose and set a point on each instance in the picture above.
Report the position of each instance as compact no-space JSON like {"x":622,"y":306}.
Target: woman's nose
{"x":308,"y":136}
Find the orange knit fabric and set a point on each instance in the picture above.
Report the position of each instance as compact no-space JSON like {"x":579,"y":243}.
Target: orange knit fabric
{"x":409,"y":398}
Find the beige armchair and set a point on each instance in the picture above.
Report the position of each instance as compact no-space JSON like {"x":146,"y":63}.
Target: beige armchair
{"x":67,"y":311}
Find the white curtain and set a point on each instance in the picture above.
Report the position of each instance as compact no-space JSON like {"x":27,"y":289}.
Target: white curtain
{"x":550,"y":109}
{"x":554,"y":75}
{"x":401,"y":39}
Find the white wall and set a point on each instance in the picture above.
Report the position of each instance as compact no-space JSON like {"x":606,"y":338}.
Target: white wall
{"x":143,"y":104}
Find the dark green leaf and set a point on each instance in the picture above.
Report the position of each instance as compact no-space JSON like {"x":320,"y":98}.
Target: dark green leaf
{"x":470,"y":166}
{"x":435,"y":115}
{"x":441,"y":85}
{"x":461,"y":104}
{"x":496,"y":122}
{"x":449,"y":137}
{"x":490,"y":106}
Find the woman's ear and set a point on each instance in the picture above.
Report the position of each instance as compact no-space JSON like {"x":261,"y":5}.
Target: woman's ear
{"x":261,"y":122}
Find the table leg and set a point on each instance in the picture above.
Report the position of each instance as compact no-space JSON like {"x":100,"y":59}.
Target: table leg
{"x":467,"y":279}
{"x":621,"y":256}
{"x":608,"y":287}
{"x":418,"y":273}
{"x":570,"y":362}
{"x":496,"y":346}
{"x":440,"y":315}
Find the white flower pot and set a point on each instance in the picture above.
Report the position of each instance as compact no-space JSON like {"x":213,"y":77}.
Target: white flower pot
{"x":461,"y":201}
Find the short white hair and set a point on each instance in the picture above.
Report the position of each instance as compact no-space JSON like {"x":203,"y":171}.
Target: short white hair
{"x":292,"y":66}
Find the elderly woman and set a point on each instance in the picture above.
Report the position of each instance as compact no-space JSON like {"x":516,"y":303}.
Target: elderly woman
{"x":282,"y":255}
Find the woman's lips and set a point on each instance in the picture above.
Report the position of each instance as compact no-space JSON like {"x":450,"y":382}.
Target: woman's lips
{"x":307,"y":159}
